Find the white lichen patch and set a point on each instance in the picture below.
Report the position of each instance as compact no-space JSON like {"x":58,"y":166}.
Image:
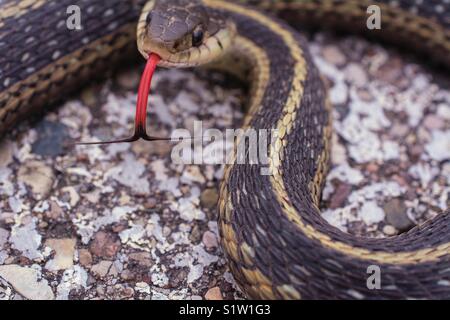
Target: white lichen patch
{"x":439,"y":147}
{"x":73,"y":279}
{"x":25,"y":238}
{"x":129,"y":173}
{"x":88,"y":223}
{"x":196,"y":261}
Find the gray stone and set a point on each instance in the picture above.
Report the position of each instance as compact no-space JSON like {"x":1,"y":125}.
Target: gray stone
{"x":396,"y":215}
{"x":51,"y":139}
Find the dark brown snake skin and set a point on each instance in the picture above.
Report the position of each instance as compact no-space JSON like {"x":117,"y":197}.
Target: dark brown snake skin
{"x":276,"y":242}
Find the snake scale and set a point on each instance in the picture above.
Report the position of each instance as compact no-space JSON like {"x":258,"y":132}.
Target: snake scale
{"x":276,"y":243}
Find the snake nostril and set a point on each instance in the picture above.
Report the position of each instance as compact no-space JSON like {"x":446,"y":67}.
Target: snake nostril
{"x":178,"y":45}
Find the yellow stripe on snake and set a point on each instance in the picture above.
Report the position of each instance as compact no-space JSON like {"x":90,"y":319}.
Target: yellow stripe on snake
{"x":277,"y":244}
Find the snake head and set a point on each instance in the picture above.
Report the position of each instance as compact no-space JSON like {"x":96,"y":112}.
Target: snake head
{"x":183,"y":33}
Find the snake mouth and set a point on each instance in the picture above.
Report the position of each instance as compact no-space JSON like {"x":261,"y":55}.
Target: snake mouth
{"x":211,"y":49}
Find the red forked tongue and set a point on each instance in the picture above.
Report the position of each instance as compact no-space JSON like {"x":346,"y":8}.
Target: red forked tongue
{"x":140,"y":131}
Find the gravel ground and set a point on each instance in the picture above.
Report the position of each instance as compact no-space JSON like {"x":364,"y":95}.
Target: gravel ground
{"x":123,"y":221}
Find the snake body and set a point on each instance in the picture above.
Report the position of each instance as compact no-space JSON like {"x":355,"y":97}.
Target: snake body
{"x":274,"y":238}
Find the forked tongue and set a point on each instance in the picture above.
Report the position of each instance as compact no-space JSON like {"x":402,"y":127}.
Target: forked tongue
{"x":140,"y":131}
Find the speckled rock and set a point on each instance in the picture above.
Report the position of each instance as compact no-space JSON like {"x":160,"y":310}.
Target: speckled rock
{"x":85,"y":257}
{"x":102,"y":268}
{"x":214,"y":294}
{"x":64,"y":253}
{"x":55,"y":211}
{"x":27,"y":282}
{"x":142,"y":258}
{"x":38,"y":176}
{"x":105,"y":245}
{"x":195,"y":234}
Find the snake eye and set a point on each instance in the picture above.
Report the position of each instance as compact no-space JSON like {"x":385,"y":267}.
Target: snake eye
{"x":197,"y":37}
{"x":149,"y":18}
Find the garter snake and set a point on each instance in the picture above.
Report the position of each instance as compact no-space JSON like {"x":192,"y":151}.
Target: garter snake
{"x":276,"y":243}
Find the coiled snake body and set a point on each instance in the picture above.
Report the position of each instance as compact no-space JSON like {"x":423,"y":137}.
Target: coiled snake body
{"x":276,"y":243}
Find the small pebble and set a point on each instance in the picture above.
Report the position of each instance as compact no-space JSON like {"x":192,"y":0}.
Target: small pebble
{"x":389,"y":230}
{"x":38,"y":176}
{"x":101,"y":269}
{"x":209,"y":198}
{"x":333,"y":55}
{"x":433,"y":122}
{"x":395,"y":210}
{"x":340,"y":195}
{"x":64,"y":252}
{"x":105,"y":245}
{"x":55,"y":211}
{"x":210,"y":240}
{"x":355,"y":74}
{"x":214,"y":294}
{"x":142,"y":258}
{"x":195,"y":234}
{"x":85,"y":257}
